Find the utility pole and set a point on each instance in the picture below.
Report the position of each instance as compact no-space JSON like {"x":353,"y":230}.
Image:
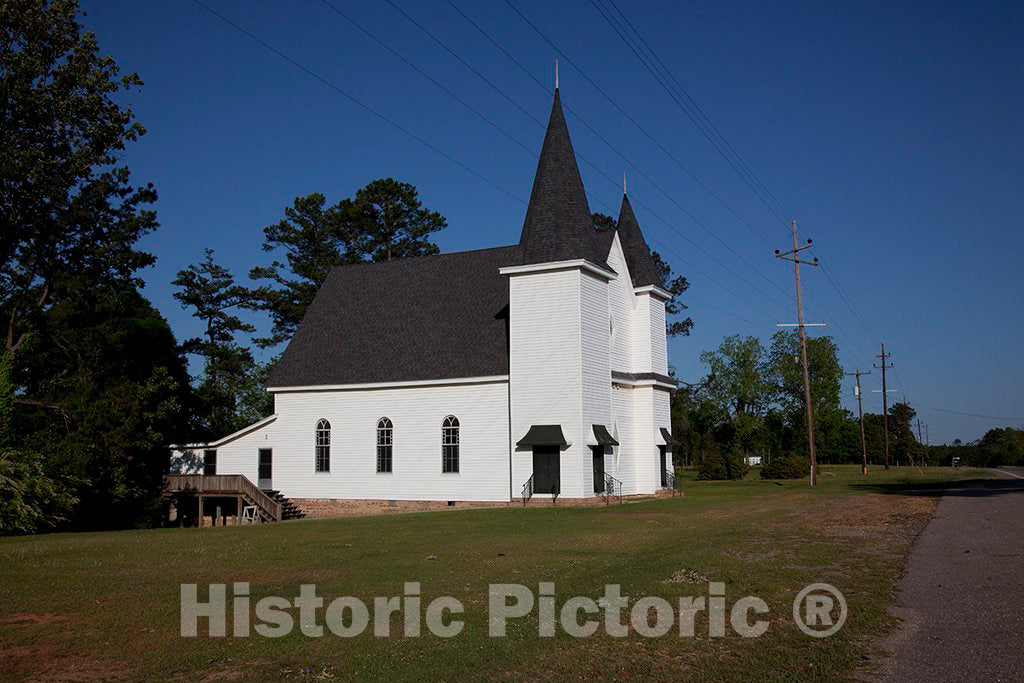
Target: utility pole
{"x":924,"y":458}
{"x":794,"y":256}
{"x":885,"y":400}
{"x":860,"y":413}
{"x":910,"y":434}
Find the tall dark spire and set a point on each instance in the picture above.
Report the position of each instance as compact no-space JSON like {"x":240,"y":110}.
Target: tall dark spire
{"x":634,"y":246}
{"x":558,"y":226}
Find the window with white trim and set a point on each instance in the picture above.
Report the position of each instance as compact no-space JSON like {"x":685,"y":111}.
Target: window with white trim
{"x":450,"y":444}
{"x":385,"y":432}
{"x":323,"y":446}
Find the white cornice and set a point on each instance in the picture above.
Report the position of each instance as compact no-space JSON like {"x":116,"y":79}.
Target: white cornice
{"x":657,"y":384}
{"x":230,"y":437}
{"x":655,"y":290}
{"x":490,"y":379}
{"x":574,"y":264}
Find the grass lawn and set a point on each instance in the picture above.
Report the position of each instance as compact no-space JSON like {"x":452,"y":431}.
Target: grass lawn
{"x":106,"y":605}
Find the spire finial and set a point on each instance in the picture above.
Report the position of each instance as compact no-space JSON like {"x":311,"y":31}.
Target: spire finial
{"x":556,"y":74}
{"x":623,"y":183}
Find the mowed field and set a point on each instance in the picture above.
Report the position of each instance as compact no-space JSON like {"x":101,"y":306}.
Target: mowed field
{"x":107,"y":605}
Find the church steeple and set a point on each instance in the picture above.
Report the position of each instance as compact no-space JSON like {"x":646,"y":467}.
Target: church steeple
{"x":634,"y":246}
{"x":558,"y":225}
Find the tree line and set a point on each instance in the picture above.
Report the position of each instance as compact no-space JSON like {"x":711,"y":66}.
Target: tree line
{"x":751,"y":403}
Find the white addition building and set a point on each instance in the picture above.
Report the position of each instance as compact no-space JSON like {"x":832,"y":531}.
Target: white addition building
{"x":475,"y":376}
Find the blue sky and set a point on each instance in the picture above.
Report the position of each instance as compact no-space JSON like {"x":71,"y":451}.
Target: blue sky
{"x":890,"y":131}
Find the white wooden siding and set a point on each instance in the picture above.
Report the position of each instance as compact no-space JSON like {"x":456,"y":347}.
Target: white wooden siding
{"x":641,"y":333}
{"x":621,"y":303}
{"x":662,"y":419}
{"x":417,"y":414}
{"x":646,"y":456}
{"x":596,"y":372}
{"x":659,"y":346}
{"x":545,"y":372}
{"x":622,"y":465}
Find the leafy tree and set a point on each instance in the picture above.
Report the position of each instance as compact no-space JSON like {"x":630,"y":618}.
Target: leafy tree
{"x":785,"y":467}
{"x":903,"y":446}
{"x":30,"y":500}
{"x":69,"y":217}
{"x":388,"y":221}
{"x":602,"y":222}
{"x":722,"y":465}
{"x":786,"y":372}
{"x":209,"y":290}
{"x":736,"y":385}
{"x":315,"y":239}
{"x":675,"y":285}
{"x":384,"y":221}
{"x":105,"y":404}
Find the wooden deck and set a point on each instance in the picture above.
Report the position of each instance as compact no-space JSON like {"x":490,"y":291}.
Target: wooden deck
{"x":224,"y":486}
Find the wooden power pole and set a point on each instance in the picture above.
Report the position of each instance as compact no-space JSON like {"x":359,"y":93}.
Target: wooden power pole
{"x":860,"y":413}
{"x":885,"y":400}
{"x":794,"y":256}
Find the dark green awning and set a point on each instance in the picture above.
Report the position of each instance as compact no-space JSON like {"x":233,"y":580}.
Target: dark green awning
{"x":543,"y":435}
{"x":669,"y":441}
{"x":604,"y":438}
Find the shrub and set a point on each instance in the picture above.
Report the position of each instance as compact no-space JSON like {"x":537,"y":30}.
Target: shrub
{"x":785,"y":467}
{"x":718,"y":466}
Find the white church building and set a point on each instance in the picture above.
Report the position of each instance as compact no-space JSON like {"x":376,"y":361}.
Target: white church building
{"x":475,"y":376}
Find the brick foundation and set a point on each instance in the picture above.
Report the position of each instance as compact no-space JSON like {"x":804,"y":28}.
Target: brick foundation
{"x":323,"y":507}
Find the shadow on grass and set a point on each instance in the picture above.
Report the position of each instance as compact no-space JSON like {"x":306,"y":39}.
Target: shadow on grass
{"x":970,"y":488}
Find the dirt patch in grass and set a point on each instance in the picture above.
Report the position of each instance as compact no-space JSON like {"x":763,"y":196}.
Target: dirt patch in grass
{"x":25,"y":618}
{"x":48,"y":663}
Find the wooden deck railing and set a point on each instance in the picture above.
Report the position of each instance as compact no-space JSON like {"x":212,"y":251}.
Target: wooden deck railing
{"x":223,"y":485}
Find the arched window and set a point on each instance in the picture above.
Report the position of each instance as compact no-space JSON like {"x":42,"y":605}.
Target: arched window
{"x":323,"y":446}
{"x":450,"y":444}
{"x":384,"y":443}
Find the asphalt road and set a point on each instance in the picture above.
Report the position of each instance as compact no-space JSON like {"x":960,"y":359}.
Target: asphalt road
{"x":962,"y":595}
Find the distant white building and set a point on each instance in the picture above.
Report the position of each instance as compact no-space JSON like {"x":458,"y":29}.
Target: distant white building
{"x":470,"y":376}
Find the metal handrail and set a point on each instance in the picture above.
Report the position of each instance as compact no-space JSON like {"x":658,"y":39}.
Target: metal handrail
{"x":225,"y":485}
{"x":528,"y":490}
{"x":670,"y":481}
{"x":611,"y":485}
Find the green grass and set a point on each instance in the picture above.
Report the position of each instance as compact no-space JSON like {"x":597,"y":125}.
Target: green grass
{"x":106,"y":605}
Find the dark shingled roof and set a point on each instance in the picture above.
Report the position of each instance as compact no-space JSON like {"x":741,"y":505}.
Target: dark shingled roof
{"x":430,"y":317}
{"x":558,"y":225}
{"x":638,"y":254}
{"x":446,"y":316}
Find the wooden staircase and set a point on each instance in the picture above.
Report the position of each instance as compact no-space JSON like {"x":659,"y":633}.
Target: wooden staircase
{"x":289,"y":510}
{"x":237,"y":486}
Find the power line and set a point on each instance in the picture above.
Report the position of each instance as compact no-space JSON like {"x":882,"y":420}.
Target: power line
{"x":357,"y":101}
{"x":765,"y":199}
{"x":419,"y":139}
{"x":490,"y":83}
{"x":697,"y":116}
{"x":840,"y":330}
{"x":612,"y":101}
{"x":472,"y":171}
{"x":958,"y":412}
{"x":703,"y":116}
